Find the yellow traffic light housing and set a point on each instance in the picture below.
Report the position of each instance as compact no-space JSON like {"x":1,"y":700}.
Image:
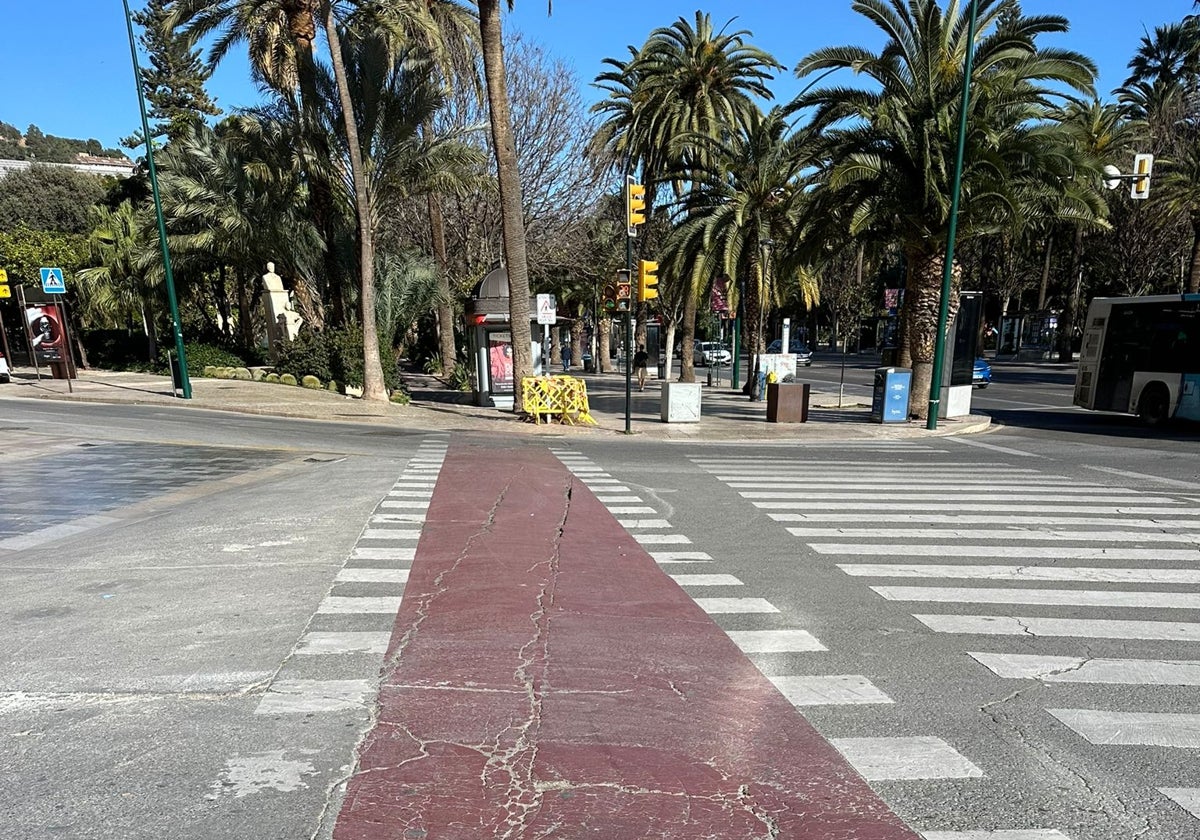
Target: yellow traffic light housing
{"x":647,"y":280}
{"x":1143,"y":165}
{"x":635,"y":205}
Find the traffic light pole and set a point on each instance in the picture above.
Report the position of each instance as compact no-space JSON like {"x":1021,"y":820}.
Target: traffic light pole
{"x":628,"y":336}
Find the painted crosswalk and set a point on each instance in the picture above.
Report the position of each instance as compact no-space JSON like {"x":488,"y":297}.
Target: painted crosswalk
{"x":998,"y":556}
{"x":333,"y":668}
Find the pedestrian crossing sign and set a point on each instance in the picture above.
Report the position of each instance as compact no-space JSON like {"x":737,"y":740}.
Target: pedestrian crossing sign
{"x":52,"y":281}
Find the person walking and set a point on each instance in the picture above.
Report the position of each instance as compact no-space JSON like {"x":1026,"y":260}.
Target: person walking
{"x":566,"y":356}
{"x":639,"y":366}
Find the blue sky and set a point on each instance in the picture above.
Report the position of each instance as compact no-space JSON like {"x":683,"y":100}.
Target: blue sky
{"x":66,"y":62}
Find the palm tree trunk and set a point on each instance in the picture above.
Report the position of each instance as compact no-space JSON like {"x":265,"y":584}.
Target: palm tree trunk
{"x":373,"y":382}
{"x":512,"y":218}
{"x":445,"y":307}
{"x":687,"y":360}
{"x":1070,"y":316}
{"x":922,"y":304}
{"x":1193,"y":282}
{"x":604,"y":350}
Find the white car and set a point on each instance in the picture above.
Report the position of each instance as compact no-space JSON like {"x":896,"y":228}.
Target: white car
{"x":5,"y":372}
{"x":711,"y":353}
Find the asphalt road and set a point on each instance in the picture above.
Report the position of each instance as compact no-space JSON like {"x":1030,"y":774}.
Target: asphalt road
{"x":163,"y":570}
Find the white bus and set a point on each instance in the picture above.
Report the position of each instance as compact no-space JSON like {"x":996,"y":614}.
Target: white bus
{"x":1141,"y":355}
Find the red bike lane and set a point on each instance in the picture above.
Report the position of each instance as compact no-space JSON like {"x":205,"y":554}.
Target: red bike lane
{"x":546,"y":679}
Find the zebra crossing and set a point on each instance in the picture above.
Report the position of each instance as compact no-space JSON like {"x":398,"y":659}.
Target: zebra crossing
{"x":1071,"y":562}
{"x":349,"y":633}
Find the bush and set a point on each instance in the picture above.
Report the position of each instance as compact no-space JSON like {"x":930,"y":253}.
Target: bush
{"x":242,"y":373}
{"x":334,"y":354}
{"x":312,"y":382}
{"x":201,"y":355}
{"x":287,"y":379}
{"x":272,"y":378}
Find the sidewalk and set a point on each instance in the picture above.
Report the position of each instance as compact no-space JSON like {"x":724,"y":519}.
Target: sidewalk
{"x":725,"y":414}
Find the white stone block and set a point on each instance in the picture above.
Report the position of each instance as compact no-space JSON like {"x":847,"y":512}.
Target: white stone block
{"x":681,"y":402}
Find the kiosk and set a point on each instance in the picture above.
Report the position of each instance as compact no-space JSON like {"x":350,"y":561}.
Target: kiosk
{"x":489,"y":338}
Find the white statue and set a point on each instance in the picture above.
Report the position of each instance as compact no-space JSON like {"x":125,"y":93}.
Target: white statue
{"x":283,"y":321}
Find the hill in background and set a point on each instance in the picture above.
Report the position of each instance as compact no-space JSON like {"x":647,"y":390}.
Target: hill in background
{"x":34,"y":145}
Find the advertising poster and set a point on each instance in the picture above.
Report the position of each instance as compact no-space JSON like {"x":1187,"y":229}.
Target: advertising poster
{"x":500,"y":361}
{"x":46,"y":329}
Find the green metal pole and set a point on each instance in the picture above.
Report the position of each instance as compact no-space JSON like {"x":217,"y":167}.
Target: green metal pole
{"x":737,"y":347}
{"x":939,"y":347}
{"x":185,"y":381}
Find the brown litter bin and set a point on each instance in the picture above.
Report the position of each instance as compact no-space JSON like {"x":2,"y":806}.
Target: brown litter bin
{"x":787,"y":402}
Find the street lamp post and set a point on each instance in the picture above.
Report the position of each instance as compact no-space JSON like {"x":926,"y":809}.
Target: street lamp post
{"x":939,"y":347}
{"x":765,"y":246}
{"x":185,"y":382}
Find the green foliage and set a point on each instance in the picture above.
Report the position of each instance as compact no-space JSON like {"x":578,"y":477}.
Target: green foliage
{"x":47,"y":148}
{"x":49,"y":198}
{"x":287,"y":379}
{"x":460,"y":378}
{"x":24,"y":250}
{"x":242,"y":374}
{"x":271,"y":377}
{"x":311,"y":382}
{"x":200,"y":355}
{"x":119,"y":350}
{"x":334,"y":354}
{"x":401,"y":397}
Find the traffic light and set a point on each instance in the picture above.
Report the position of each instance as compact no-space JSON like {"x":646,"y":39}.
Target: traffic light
{"x":1142,"y":166}
{"x":624,"y":291}
{"x":647,"y":280}
{"x":610,"y":298}
{"x":635,"y":205}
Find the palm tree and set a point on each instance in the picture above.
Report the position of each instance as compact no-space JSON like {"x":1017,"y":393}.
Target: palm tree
{"x":491,"y":40}
{"x":693,"y":81}
{"x":1178,"y":191}
{"x":892,"y":144}
{"x":115,"y":289}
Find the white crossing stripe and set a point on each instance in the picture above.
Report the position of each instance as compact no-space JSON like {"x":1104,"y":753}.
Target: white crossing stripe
{"x":1074,"y":574}
{"x":618,"y":500}
{"x":856,"y":488}
{"x":1003,"y":834}
{"x":717,"y":606}
{"x":410,"y":494}
{"x":1186,"y":798}
{"x":614,"y":489}
{"x":995,"y":507}
{"x":1036,"y":534}
{"x":391,"y":534}
{"x":1146,"y":729}
{"x":834,"y":690}
{"x":706,"y":580}
{"x":914,"y":495}
{"x":776,"y":641}
{"x":1050,"y":597}
{"x":295,"y":697}
{"x":618,"y":509}
{"x":392,"y":505}
{"x":335,"y":605}
{"x":919,"y":757}
{"x":644,"y":523}
{"x":358,"y":574}
{"x":915,"y":517}
{"x":384,"y":518}
{"x":660,"y":539}
{"x":397,"y":553}
{"x":681,"y":556}
{"x":316,"y":644}
{"x":1073,"y":669}
{"x":1075,"y":628}
{"x":1046,"y":551}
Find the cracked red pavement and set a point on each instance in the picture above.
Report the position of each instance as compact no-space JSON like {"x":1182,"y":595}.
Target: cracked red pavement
{"x":547,"y":680}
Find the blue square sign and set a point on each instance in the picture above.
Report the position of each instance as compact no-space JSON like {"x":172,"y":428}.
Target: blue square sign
{"x":52,"y":281}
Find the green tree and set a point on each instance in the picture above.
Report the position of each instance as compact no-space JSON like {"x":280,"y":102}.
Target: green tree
{"x":49,"y":198}
{"x":892,"y":143}
{"x":115,"y":290}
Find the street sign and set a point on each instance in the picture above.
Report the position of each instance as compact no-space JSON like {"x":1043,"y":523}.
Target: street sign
{"x":52,"y":281}
{"x":547,"y":310}
{"x":3,"y":277}
{"x":5,"y":290}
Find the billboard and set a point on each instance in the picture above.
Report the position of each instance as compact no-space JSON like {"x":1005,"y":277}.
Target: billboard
{"x":46,"y":332}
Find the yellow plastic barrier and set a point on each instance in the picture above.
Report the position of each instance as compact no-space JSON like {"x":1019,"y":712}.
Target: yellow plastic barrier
{"x":565,"y":396}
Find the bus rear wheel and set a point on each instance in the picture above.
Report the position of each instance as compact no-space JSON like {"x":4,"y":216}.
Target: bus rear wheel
{"x":1154,"y":405}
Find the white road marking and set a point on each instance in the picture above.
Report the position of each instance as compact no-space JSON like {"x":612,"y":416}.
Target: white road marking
{"x":681,"y":556}
{"x":385,"y":518}
{"x":410,"y":494}
{"x":1075,"y":628}
{"x":914,"y":518}
{"x":1003,"y":834}
{"x":391,"y":534}
{"x":660,"y":539}
{"x":336,"y":605}
{"x":776,"y":641}
{"x":1157,"y":479}
{"x":1044,"y":535}
{"x":294,"y":697}
{"x":997,"y":506}
{"x":1074,"y":669}
{"x":1075,"y":574}
{"x":1046,"y":597}
{"x":834,"y":690}
{"x":358,"y":574}
{"x":393,"y":505}
{"x":1186,"y":798}
{"x":993,"y":447}
{"x":397,"y":553}
{"x":1149,"y":729}
{"x":644,"y":523}
{"x":850,"y":497}
{"x":614,"y":489}
{"x":616,"y":510}
{"x":920,"y":757}
{"x":316,"y":644}
{"x":249,"y":774}
{"x":717,"y":606}
{"x":706,"y":580}
{"x":618,"y":500}
{"x":1054,"y":552}
{"x":900,"y":483}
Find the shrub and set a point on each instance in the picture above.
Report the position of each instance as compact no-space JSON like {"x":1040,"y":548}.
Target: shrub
{"x":200,"y":355}
{"x":257,"y":374}
{"x":271,"y":377}
{"x":242,"y":373}
{"x":312,"y":382}
{"x":287,"y":379}
{"x":209,"y":370}
{"x":334,"y":354}
{"x":401,"y":397}
{"x":333,"y":386}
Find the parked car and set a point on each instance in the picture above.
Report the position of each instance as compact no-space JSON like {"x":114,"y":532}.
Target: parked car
{"x":981,"y":375}
{"x":710,"y":353}
{"x":5,"y":373}
{"x":796,"y":347}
